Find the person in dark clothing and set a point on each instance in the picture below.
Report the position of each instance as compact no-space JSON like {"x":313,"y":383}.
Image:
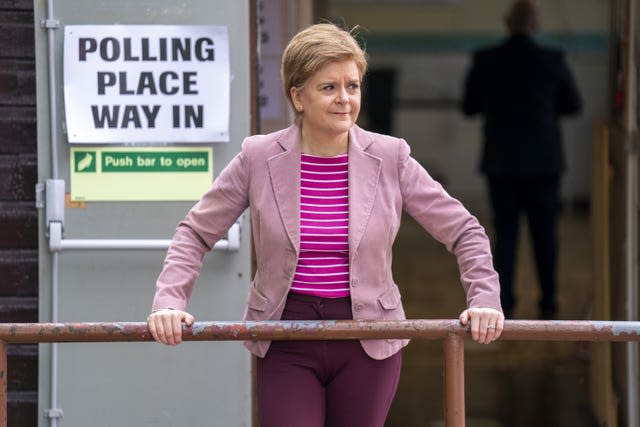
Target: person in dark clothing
{"x":521,"y":89}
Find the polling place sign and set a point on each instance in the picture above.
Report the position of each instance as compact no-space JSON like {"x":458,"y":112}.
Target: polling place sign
{"x":146,"y":83}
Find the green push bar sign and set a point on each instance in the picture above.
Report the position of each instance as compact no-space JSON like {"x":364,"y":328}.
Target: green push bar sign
{"x":140,"y":173}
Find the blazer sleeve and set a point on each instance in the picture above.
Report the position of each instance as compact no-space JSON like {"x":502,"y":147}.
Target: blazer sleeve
{"x":204,"y":225}
{"x":568,"y":100}
{"x":472,"y":96}
{"x":449,"y":222}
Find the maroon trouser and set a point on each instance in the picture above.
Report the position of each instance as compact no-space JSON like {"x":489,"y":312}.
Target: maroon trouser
{"x":323,"y":383}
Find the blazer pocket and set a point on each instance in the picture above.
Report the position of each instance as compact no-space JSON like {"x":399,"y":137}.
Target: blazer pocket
{"x":390,"y":300}
{"x":256,"y":300}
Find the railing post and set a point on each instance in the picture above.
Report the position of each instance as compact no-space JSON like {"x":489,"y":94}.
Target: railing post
{"x":454,"y":381}
{"x":3,"y":384}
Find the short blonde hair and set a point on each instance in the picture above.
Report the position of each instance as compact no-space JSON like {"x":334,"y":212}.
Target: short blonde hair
{"x":315,"y":47}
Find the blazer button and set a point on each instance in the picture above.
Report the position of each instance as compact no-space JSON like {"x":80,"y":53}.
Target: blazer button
{"x":354,"y":282}
{"x":359,"y":307}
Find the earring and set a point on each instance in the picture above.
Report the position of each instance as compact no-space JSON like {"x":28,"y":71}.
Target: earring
{"x":299,"y":108}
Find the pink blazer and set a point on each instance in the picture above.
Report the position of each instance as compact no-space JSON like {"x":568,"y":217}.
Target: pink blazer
{"x":383,"y":180}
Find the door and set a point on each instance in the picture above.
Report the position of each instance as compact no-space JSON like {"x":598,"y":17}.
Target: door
{"x":102,"y":189}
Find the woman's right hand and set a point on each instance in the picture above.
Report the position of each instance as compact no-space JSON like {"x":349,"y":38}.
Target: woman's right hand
{"x":166,"y":325}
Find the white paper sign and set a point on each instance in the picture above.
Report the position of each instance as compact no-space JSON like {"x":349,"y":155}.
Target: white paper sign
{"x":146,"y":83}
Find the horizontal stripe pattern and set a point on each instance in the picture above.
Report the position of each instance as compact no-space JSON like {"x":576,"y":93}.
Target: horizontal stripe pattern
{"x":323,"y":265}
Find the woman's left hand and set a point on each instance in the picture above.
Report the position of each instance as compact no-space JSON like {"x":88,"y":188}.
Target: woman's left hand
{"x":486,"y":323}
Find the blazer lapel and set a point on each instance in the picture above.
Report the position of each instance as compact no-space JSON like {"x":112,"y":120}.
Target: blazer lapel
{"x":284,"y":171}
{"x":364,"y":173}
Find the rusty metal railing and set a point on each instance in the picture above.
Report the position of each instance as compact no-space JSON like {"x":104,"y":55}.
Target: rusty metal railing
{"x":450,"y":331}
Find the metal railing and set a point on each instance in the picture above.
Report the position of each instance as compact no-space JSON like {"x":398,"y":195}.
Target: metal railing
{"x":450,"y":331}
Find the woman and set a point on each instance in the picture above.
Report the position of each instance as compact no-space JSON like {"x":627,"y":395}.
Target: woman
{"x":326,"y":200}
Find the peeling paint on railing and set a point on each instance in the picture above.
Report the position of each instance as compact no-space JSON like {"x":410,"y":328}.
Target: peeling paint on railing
{"x":450,"y":331}
{"x":618,"y":328}
{"x":532,"y":330}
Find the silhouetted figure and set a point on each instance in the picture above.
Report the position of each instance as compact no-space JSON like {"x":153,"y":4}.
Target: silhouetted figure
{"x":521,"y":89}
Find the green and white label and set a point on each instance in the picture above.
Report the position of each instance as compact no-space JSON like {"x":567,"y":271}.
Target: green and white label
{"x":140,"y":173}
{"x":189,"y":161}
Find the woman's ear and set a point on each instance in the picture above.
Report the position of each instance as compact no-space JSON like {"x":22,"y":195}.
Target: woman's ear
{"x":295,"y":99}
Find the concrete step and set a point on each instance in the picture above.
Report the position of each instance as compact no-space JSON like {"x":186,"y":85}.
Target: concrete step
{"x":19,"y":272}
{"x":22,"y":367}
{"x":18,"y":176}
{"x":18,"y":130}
{"x":18,"y":225}
{"x":18,"y":309}
{"x":22,"y":409}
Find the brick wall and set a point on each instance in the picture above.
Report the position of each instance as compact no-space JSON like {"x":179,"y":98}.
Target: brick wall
{"x":18,"y":216}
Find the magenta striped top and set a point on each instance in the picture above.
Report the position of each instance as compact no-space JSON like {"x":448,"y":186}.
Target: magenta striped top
{"x":323,"y":265}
